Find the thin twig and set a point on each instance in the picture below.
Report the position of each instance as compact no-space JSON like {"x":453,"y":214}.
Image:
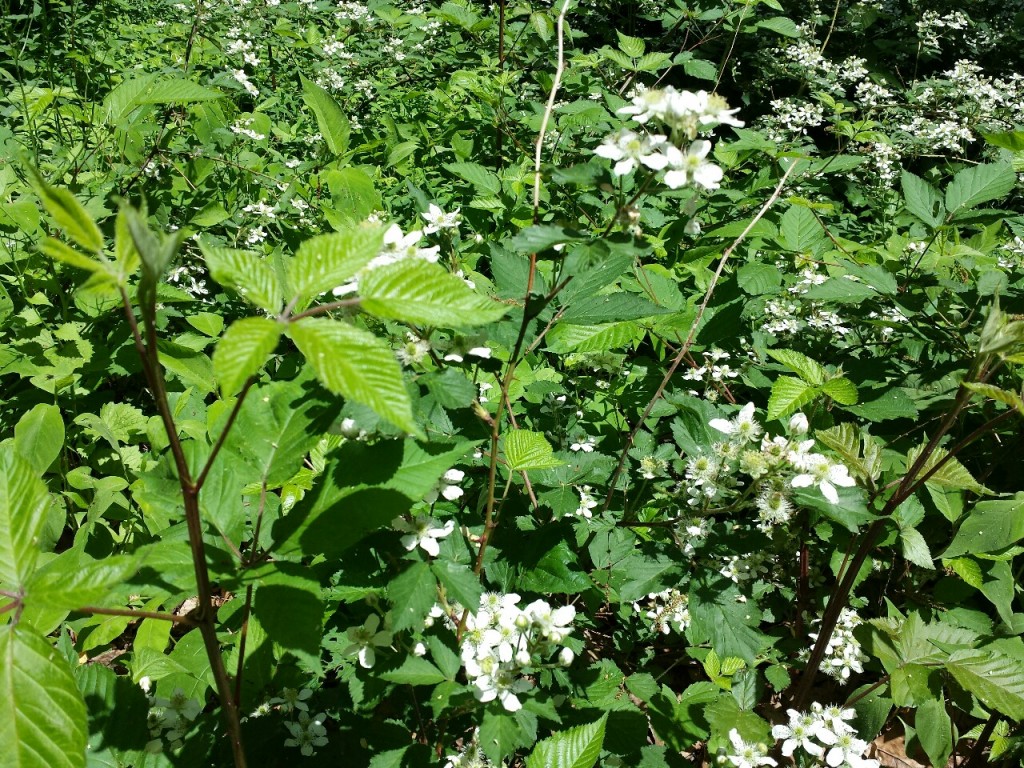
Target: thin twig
{"x":131,"y":613}
{"x":549,"y":109}
{"x":692,"y":334}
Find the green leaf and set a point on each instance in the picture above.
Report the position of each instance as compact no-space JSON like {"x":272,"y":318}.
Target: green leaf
{"x":952,"y":475}
{"x":486,"y":181}
{"x":73,"y":580}
{"x":23,"y":505}
{"x":194,"y":369}
{"x":64,"y":253}
{"x":331,"y":120}
{"x":416,"y":291}
{"x":633,"y":47}
{"x":967,"y":569}
{"x":781,"y":25}
{"x":719,"y":619}
{"x":541,"y":237}
{"x":990,"y":527}
{"x":362,"y":488}
{"x":39,"y":436}
{"x":657,"y":60}
{"x":610,"y":307}
{"x":412,"y":594}
{"x":459,"y":582}
{"x":353,"y":196}
{"x":809,"y":370}
{"x":997,"y":680}
{"x":842,"y":390}
{"x":934,"y":730}
{"x":69,"y":214}
{"x":973,"y":186}
{"x":246,"y":273}
{"x":501,"y":732}
{"x":568,"y":337}
{"x":243,"y":350}
{"x":177,"y":91}
{"x":915,"y":549}
{"x":42,"y":715}
{"x":414,"y":671}
{"x":800,"y":229}
{"x":759,"y":279}
{"x":577,"y":747}
{"x":922,"y":199}
{"x":788,"y":395}
{"x":288,"y":604}
{"x":325,"y":262}
{"x":356,"y":364}
{"x":1011,"y":399}
{"x":526,"y":450}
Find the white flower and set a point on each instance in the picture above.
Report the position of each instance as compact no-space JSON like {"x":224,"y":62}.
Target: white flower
{"x":437,"y":219}
{"x":292,"y":699}
{"x":748,"y":755}
{"x":364,"y":638}
{"x":847,"y":750}
{"x":447,"y":487}
{"x":504,"y":686}
{"x":551,"y":623}
{"x":801,"y":730}
{"x":180,"y":704}
{"x":826,"y":475}
{"x":423,"y":532}
{"x":307,"y":733}
{"x":798,"y":424}
{"x":413,"y":351}
{"x":585,"y":444}
{"x":690,"y":167}
{"x":743,"y":427}
{"x":631,"y":149}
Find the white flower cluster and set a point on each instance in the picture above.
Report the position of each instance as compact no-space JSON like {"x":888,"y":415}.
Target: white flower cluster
{"x":587,"y":502}
{"x":667,"y":611}
{"x":780,"y":463}
{"x":169,"y":719}
{"x":824,"y":734}
{"x":843,"y":654}
{"x":681,"y":156}
{"x":747,"y":754}
{"x":501,"y":641}
{"x":470,"y":756}
{"x":397,"y":247}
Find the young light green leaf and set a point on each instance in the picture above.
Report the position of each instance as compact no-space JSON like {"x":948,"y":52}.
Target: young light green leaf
{"x":807,"y":369}
{"x":64,"y":253}
{"x":416,"y":291}
{"x":633,"y":47}
{"x":247,"y":273}
{"x":568,"y":337}
{"x":952,"y":475}
{"x":1011,"y":399}
{"x":789,"y":394}
{"x":334,"y":125}
{"x":242,"y":351}
{"x":42,"y":715}
{"x":577,"y":747}
{"x":177,"y":90}
{"x":356,"y":364}
{"x":39,"y":436}
{"x":125,"y":253}
{"x":69,"y":214}
{"x":525,"y":450}
{"x":23,"y":505}
{"x":922,"y":199}
{"x":326,"y":261}
{"x":842,"y":390}
{"x":977,"y":185}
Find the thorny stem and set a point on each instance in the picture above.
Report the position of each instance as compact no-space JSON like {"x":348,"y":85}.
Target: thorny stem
{"x":224,"y":433}
{"x":684,"y":350}
{"x":205,"y":617}
{"x":131,"y":613}
{"x":907,"y":486}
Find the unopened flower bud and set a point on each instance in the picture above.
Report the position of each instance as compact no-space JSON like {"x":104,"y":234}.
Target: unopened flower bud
{"x":566,"y":656}
{"x":798,"y":424}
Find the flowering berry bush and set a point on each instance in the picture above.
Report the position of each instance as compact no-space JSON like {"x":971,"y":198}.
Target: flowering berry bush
{"x":528,"y":384}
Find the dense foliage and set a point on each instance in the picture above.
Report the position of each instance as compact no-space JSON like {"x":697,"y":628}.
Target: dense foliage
{"x":445,"y":383}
